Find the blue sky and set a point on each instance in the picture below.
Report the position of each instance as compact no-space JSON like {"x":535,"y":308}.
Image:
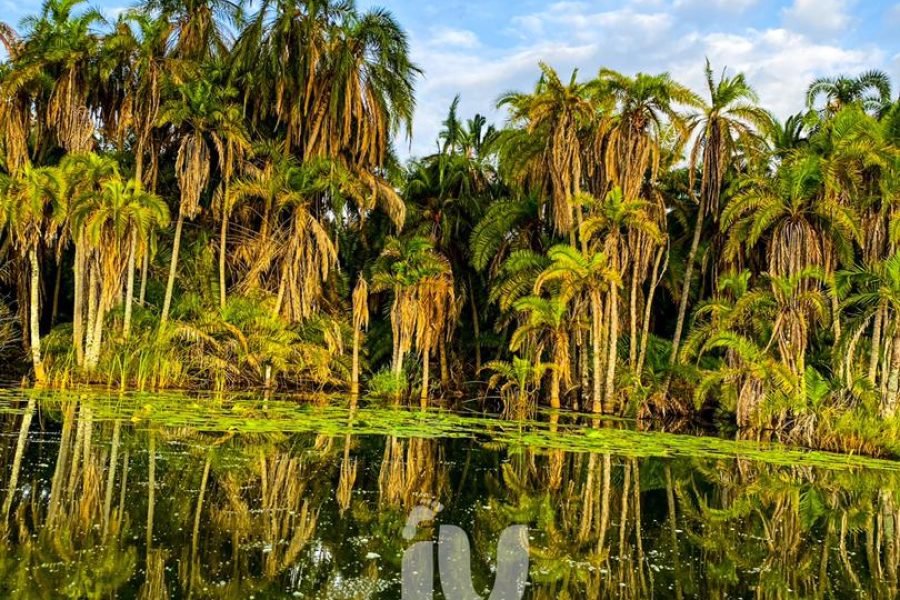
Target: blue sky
{"x":481,"y":48}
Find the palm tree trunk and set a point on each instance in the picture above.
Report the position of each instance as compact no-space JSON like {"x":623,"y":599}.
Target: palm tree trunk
{"x":445,"y":365}
{"x":223,"y":235}
{"x":891,"y":400}
{"x":91,"y":314}
{"x":426,"y":356}
{"x":875,"y":353}
{"x":129,"y":286}
{"x":34,"y":314}
{"x":633,"y":317}
{"x":648,"y":309}
{"x":57,"y":284}
{"x":173,"y":269}
{"x":686,"y":290}
{"x":354,"y":372}
{"x":613,"y":352}
{"x":476,"y":327}
{"x":78,"y":308}
{"x":145,"y":270}
{"x":596,"y":333}
{"x":554,"y":388}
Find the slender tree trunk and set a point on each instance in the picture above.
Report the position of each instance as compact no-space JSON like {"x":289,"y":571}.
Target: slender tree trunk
{"x":686,"y":290}
{"x":648,"y":310}
{"x":57,"y":284}
{"x":426,"y":359}
{"x":173,"y":269}
{"x":223,"y":235}
{"x":554,"y":388}
{"x":34,"y":313}
{"x":596,"y":334}
{"x":613,"y":351}
{"x":92,"y":307}
{"x":875,"y":353}
{"x":445,"y":365}
{"x":78,"y":308}
{"x":354,"y":372}
{"x":145,"y":270}
{"x":891,"y":400}
{"x":633,"y":318}
{"x":129,"y":286}
{"x":476,"y":328}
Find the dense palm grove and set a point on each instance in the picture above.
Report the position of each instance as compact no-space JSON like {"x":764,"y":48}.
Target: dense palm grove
{"x":195,"y":196}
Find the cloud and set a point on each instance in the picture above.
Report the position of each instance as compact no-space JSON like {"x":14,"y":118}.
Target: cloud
{"x":819,"y":16}
{"x":446,"y":36}
{"x":643,"y":35}
{"x":737,"y":6}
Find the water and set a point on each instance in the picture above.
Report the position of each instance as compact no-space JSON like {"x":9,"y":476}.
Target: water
{"x":124,"y":497}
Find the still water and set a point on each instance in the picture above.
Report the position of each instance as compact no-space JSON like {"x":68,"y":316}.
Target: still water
{"x":152,"y":497}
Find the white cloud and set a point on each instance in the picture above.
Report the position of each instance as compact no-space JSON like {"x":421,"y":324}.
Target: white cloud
{"x":446,"y":36}
{"x":821,"y":16}
{"x":641,"y":36}
{"x":724,"y":5}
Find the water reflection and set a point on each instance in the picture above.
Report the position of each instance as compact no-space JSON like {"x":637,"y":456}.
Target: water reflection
{"x":101,"y":507}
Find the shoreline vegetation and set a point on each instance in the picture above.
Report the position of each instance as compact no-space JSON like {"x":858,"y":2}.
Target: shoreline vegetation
{"x":197,"y":197}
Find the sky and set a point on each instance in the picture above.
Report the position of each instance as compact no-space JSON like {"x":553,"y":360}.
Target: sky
{"x":482,"y":48}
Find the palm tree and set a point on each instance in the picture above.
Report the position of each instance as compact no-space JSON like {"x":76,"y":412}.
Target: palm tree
{"x":646,"y":104}
{"x":84,"y":175}
{"x":728,"y":129}
{"x":617,"y":226}
{"x":800,"y":225}
{"x":112,"y":222}
{"x":516,"y":380}
{"x":339,"y":81}
{"x":546,"y":324}
{"x":575,"y":276}
{"x":872,"y":89}
{"x":876,"y":292}
{"x":553,"y":117}
{"x":198,"y":27}
{"x":30,"y":210}
{"x":203,"y":111}
{"x":423,"y":305}
{"x":61,"y":46}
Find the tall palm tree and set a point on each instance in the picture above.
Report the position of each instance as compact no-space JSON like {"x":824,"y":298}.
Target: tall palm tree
{"x":876,"y":291}
{"x":553,"y":117}
{"x":727,"y":130}
{"x":61,"y":46}
{"x":338,"y":82}
{"x":30,"y":209}
{"x":646,"y":105}
{"x":420,"y":281}
{"x":546,"y":325}
{"x":198,"y":27}
{"x":576,"y":275}
{"x":203,"y":113}
{"x":800,"y":225}
{"x":112,"y":221}
{"x":871,"y":88}
{"x":615,"y":225}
